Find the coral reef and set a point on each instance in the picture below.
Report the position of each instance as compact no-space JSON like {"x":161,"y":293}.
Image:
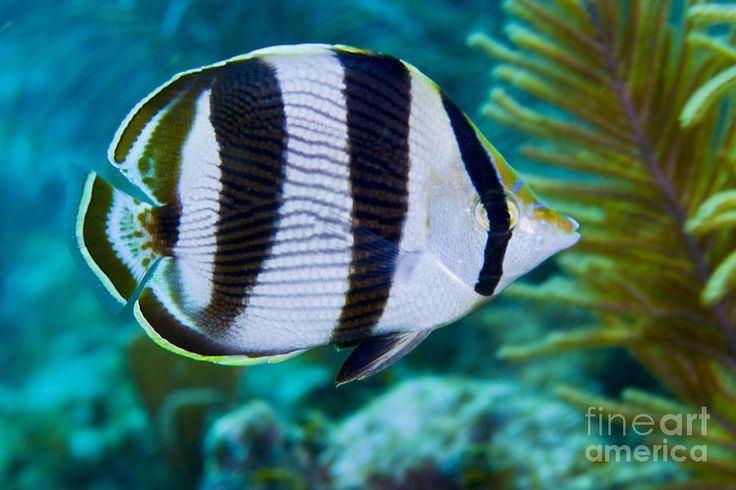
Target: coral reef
{"x":717,"y":211}
{"x":495,"y":435}
{"x":428,"y":432}
{"x":248,"y":449}
{"x":629,"y":102}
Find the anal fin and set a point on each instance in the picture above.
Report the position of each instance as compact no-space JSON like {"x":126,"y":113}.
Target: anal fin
{"x":377,"y":353}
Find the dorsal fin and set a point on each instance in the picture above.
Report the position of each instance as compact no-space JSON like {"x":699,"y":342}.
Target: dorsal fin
{"x":377,"y":353}
{"x":148,"y":146}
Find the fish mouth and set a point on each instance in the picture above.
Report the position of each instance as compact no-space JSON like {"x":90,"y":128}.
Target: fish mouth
{"x":574,"y":235}
{"x":567,"y":240}
{"x":567,"y":234}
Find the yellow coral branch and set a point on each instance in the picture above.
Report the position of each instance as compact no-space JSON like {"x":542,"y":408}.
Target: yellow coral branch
{"x":577,"y":339}
{"x":716,"y":212}
{"x":647,"y":255}
{"x":708,"y":42}
{"x":721,"y":282}
{"x":706,"y":96}
{"x":712,"y":13}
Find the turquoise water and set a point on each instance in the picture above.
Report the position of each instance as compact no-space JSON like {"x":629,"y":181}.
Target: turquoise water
{"x":87,"y":402}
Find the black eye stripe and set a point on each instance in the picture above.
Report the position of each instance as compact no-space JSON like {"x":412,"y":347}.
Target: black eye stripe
{"x":500,"y":234}
{"x":498,"y":216}
{"x":495,"y":205}
{"x":493,"y":195}
{"x":482,"y":174}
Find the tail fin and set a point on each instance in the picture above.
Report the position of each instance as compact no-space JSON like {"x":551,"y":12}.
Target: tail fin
{"x":112,"y":238}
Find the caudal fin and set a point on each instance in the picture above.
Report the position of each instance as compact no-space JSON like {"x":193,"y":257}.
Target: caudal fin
{"x":112,"y":236}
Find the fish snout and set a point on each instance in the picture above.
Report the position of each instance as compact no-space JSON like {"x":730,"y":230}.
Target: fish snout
{"x":564,"y":232}
{"x":558,"y":231}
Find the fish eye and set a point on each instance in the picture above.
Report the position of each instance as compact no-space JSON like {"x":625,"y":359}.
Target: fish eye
{"x":481,"y":216}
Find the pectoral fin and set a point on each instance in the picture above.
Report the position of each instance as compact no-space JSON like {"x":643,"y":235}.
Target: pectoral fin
{"x":377,"y":353}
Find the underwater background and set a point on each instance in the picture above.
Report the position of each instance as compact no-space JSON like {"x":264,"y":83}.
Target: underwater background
{"x":631,"y":105}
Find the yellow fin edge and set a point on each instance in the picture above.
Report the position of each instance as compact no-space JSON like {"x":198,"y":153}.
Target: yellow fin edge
{"x":224,"y":360}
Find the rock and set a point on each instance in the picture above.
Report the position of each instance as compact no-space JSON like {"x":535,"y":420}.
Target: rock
{"x":249,"y":448}
{"x":428,"y":433}
{"x":436,"y":430}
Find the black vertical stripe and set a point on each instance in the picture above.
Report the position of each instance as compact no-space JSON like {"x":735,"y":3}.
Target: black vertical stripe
{"x":247,"y":114}
{"x":488,"y":186}
{"x":378,"y":98}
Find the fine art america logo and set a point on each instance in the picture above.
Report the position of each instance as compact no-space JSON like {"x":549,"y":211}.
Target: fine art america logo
{"x":677,"y":426}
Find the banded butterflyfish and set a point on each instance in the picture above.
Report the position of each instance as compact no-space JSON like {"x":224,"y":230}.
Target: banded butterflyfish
{"x":305,"y":195}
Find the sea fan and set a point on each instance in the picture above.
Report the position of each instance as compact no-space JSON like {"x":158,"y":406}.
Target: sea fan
{"x":634,"y":102}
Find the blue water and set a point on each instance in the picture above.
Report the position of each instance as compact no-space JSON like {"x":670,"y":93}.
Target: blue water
{"x":86,"y":402}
